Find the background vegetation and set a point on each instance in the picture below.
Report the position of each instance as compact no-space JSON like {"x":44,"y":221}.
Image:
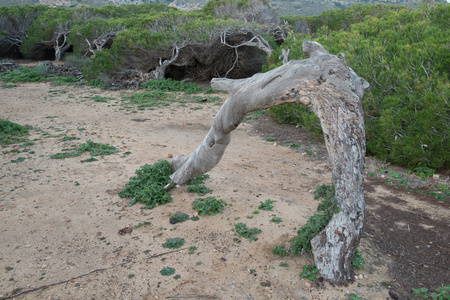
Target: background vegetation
{"x":402,"y":52}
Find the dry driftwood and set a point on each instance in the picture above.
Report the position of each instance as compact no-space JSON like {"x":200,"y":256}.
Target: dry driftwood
{"x":333,"y":91}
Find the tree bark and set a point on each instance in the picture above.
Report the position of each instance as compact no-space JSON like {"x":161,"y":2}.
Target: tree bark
{"x":333,"y":91}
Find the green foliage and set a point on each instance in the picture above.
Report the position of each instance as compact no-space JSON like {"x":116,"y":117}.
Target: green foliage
{"x":170,"y":85}
{"x":197,"y":185}
{"x":279,"y":251}
{"x":167,"y":271}
{"x":96,"y":149}
{"x":358,"y":261}
{"x":10,"y":132}
{"x":248,"y":233}
{"x":22,"y":74}
{"x":276,"y":220}
{"x":140,"y":224}
{"x":178,"y":217}
{"x":174,"y":243}
{"x":325,"y":210}
{"x":147,"y":186}
{"x":284,"y":265}
{"x":18,"y":160}
{"x":209,"y":205}
{"x":63,"y":155}
{"x":309,"y":272}
{"x":266,"y":205}
{"x":423,"y":171}
{"x":403,"y":54}
{"x":192,"y":249}
{"x":353,"y":296}
{"x":442,"y":294}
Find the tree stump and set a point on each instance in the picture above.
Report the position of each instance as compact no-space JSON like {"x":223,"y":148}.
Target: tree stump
{"x":333,"y":91}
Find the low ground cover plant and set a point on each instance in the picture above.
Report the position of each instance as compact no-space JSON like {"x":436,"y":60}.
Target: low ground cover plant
{"x":249,"y":233}
{"x":208,"y":206}
{"x":12,"y":133}
{"x":147,"y":187}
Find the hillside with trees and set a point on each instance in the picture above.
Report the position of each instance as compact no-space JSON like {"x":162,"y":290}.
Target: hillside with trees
{"x":402,"y":52}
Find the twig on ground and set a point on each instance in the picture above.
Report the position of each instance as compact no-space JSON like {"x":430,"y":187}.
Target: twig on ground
{"x":65,"y":281}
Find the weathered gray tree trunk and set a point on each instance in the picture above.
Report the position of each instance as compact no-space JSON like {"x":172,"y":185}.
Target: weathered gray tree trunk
{"x":333,"y":91}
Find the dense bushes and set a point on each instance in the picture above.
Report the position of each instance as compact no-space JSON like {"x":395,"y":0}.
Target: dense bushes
{"x":404,"y":54}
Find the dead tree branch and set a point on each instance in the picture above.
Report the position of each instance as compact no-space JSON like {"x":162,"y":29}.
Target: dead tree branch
{"x":333,"y":91}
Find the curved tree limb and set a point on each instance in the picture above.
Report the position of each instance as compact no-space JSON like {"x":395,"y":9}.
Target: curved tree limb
{"x":333,"y":91}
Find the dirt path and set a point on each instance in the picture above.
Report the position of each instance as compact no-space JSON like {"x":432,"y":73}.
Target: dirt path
{"x":60,"y":217}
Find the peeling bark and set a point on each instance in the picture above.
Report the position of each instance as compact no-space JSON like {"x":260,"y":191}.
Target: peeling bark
{"x":333,"y":91}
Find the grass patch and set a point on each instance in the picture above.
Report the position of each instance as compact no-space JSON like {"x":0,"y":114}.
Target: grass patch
{"x":147,"y":186}
{"x":170,"y":85}
{"x":179,"y":217}
{"x":309,"y":272}
{"x":22,"y":74}
{"x":266,"y":205}
{"x":249,"y":233}
{"x":279,"y":251}
{"x":318,"y":221}
{"x":174,"y":243}
{"x":167,"y":271}
{"x":96,"y":149}
{"x":209,"y":205}
{"x":140,"y":224}
{"x":197,"y":185}
{"x":11,"y":133}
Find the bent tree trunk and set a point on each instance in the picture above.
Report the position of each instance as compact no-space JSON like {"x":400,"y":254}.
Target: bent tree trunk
{"x":333,"y":91}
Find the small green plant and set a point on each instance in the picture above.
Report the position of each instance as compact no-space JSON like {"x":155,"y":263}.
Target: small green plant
{"x":197,"y":185}
{"x":255,"y":212}
{"x":269,"y":139}
{"x":11,"y":133}
{"x":63,"y":155}
{"x":22,"y":74}
{"x":147,"y":186}
{"x":284,"y":265}
{"x":279,"y":251}
{"x":325,"y":210}
{"x":442,"y":294}
{"x":395,"y":175}
{"x":248,"y":233}
{"x":167,"y":271}
{"x":266,"y":205}
{"x":276,"y":220}
{"x":198,"y":263}
{"x":170,"y":85}
{"x":353,"y":296}
{"x":174,"y":243}
{"x":423,"y":172}
{"x":252,"y":271}
{"x":176,"y":277}
{"x":140,"y":224}
{"x":358,"y":261}
{"x":97,"y":98}
{"x":178,"y":217}
{"x":209,"y":205}
{"x":96,"y":149}
{"x":192,"y":249}
{"x":371,"y":174}
{"x":309,"y":272}
{"x":18,"y":160}
{"x":90,"y":159}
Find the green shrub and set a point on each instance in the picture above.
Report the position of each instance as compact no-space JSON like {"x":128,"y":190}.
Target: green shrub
{"x":325,"y":210}
{"x":266,"y":205}
{"x":167,"y":271}
{"x":209,"y":205}
{"x":279,"y":251}
{"x":403,"y":55}
{"x":178,"y":217}
{"x":170,"y":85}
{"x":442,"y":294}
{"x":147,"y":186}
{"x":11,"y":133}
{"x":174,"y":243}
{"x":248,"y":233}
{"x":22,"y":74}
{"x":96,"y":149}
{"x":358,"y":261}
{"x":309,"y":271}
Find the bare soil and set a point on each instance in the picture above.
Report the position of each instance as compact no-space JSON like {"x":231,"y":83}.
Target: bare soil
{"x":59,"y":237}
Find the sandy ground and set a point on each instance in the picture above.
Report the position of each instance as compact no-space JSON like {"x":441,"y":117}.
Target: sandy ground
{"x":60,"y":218}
